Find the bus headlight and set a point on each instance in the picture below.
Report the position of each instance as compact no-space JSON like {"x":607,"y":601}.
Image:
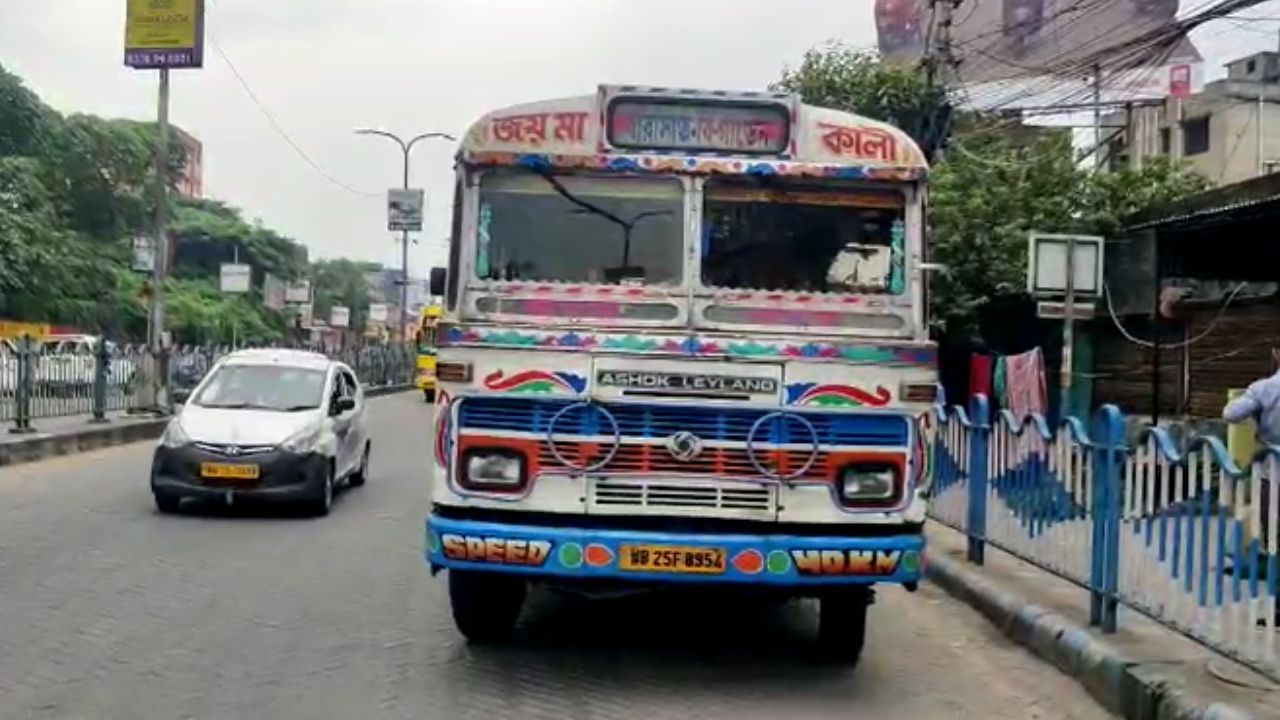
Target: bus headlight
{"x":868,"y":483}
{"x":493,"y":470}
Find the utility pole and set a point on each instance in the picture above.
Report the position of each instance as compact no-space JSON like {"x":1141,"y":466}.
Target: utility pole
{"x":405,"y":149}
{"x":155,"y":335}
{"x":1097,"y":129}
{"x":1262,"y":158}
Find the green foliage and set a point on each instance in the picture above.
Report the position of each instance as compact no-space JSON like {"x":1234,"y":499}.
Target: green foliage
{"x":74,"y":190}
{"x":999,"y":180}
{"x":341,"y":282}
{"x":838,"y":76}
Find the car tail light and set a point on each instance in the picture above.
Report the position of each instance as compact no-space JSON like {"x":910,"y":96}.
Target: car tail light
{"x":918,"y":392}
{"x":453,"y":371}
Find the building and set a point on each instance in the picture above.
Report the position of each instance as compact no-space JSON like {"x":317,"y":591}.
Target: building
{"x":1229,"y":132}
{"x":191,"y":184}
{"x":1202,"y":278}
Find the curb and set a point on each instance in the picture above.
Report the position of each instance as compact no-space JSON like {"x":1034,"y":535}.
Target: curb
{"x":94,"y":437}
{"x":1121,"y":685}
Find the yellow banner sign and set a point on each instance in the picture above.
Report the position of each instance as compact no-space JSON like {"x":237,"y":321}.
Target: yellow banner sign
{"x":164,"y":33}
{"x":13,"y":329}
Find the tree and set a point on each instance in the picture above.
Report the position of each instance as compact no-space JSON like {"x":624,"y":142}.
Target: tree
{"x":999,"y":181}
{"x":859,"y":81}
{"x":341,"y":282}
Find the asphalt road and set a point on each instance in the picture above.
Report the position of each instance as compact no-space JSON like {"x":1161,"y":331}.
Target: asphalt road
{"x":109,"y":610}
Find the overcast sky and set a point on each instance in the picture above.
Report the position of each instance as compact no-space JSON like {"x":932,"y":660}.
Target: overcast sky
{"x":325,"y":67}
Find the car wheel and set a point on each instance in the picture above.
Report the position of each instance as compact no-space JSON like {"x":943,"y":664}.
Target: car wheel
{"x":842,"y":626}
{"x":362,"y":473}
{"x":168,"y":504}
{"x":323,"y":502}
{"x":485,"y":605}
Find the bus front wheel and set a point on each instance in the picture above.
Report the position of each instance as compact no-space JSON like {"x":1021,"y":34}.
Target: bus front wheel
{"x":842,"y":625}
{"x":485,"y":605}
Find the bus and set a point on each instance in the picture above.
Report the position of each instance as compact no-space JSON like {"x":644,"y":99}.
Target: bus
{"x":425,"y":369}
{"x":683,"y":343}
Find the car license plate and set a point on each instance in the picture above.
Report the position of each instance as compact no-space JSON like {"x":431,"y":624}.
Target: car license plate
{"x":224,"y":471}
{"x":664,"y":558}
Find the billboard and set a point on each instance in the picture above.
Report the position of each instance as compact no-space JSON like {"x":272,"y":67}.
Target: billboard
{"x":298,"y":292}
{"x":235,"y":278}
{"x":164,"y":33}
{"x":339,"y":316}
{"x":404,"y":209}
{"x":1023,"y":53}
{"x":273,"y":292}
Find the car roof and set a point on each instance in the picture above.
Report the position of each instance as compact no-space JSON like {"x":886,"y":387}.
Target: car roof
{"x":280,"y":356}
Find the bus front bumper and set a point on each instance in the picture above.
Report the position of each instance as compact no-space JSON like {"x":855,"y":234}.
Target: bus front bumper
{"x":658,"y":557}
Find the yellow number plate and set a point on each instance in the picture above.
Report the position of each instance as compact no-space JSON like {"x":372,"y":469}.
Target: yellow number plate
{"x":664,"y":558}
{"x":222,"y":471}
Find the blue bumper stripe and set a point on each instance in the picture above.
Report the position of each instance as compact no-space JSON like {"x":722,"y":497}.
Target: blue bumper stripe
{"x":784,"y":560}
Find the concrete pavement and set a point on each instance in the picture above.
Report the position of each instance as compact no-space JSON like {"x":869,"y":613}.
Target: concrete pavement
{"x":109,"y":610}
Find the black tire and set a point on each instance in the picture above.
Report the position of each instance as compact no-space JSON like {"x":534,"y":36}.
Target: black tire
{"x":485,"y":605}
{"x":168,"y":504}
{"x":320,"y":505}
{"x":361,"y":473}
{"x":842,"y":626}
{"x":429,"y":395}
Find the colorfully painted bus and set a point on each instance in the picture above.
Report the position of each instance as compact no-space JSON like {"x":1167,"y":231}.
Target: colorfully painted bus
{"x":425,"y":367}
{"x":683,"y":343}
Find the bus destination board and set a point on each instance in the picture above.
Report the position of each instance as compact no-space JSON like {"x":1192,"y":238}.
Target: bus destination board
{"x":641,"y":124}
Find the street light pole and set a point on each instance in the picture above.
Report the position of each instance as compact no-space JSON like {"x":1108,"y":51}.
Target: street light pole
{"x":405,"y":148}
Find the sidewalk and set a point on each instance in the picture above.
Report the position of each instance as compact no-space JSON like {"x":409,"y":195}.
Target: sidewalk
{"x":1144,"y":670}
{"x":61,"y":425}
{"x":75,"y":433}
{"x":72,"y":434}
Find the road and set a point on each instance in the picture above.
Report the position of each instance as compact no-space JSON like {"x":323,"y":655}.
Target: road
{"x":109,"y":610}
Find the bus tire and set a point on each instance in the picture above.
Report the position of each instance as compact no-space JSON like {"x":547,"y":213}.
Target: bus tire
{"x":842,"y":626}
{"x":485,"y":605}
{"x":429,"y":395}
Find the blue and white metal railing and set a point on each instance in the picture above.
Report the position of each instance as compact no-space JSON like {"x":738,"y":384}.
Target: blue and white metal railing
{"x":1187,"y":538}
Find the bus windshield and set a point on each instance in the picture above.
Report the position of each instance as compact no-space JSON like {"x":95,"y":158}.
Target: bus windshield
{"x":608,"y":230}
{"x":802,"y":238}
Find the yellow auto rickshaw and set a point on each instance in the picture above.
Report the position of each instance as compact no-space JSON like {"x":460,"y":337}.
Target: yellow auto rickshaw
{"x":426,"y":364}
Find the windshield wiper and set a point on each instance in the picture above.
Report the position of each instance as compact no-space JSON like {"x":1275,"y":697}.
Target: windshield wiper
{"x":295,"y":408}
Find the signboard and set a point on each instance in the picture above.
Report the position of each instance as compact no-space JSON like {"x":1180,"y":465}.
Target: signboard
{"x":662,"y":124}
{"x":298,"y":292}
{"x":404,"y":210}
{"x":235,"y":278}
{"x":659,"y":382}
{"x":273,"y":292}
{"x":164,"y":34}
{"x":144,"y":254}
{"x":378,"y":312}
{"x":1058,"y":310}
{"x":1180,"y":81}
{"x":340,"y":316}
{"x":1047,"y":266}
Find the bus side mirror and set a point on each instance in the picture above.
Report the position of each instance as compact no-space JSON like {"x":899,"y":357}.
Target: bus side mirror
{"x":437,"y":281}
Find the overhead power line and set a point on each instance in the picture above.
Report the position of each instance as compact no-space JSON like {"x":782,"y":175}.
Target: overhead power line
{"x":279,"y":129}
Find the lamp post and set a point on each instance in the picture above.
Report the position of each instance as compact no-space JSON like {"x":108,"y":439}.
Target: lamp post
{"x":406,"y":147}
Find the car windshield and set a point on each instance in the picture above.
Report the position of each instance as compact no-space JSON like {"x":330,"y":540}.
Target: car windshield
{"x":263,"y":387}
{"x":616,"y":230}
{"x":770,"y":236}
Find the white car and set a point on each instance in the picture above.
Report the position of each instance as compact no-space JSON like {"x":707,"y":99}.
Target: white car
{"x":277,"y":425}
